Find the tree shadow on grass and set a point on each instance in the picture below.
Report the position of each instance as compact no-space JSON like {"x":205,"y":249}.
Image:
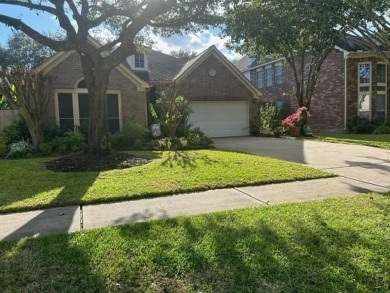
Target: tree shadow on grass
{"x":218,"y":254}
{"x":47,"y":265}
{"x":68,"y":190}
{"x":186,"y":159}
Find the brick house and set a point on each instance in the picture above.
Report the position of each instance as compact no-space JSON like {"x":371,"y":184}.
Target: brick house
{"x":222,"y":100}
{"x":353,"y":82}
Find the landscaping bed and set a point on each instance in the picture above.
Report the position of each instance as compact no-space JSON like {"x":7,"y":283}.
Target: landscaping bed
{"x":82,"y":162}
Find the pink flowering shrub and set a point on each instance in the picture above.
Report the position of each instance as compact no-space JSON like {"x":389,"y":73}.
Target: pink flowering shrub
{"x":296,"y":119}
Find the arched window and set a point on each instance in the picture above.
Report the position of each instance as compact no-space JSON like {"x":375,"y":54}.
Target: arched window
{"x":82,"y":84}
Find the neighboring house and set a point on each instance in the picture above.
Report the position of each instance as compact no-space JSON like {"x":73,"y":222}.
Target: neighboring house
{"x":222,"y":100}
{"x":353,"y":82}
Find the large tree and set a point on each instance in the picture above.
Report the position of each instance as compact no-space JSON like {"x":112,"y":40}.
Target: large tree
{"x":297,"y":30}
{"x":126,"y":19}
{"x":22,"y":51}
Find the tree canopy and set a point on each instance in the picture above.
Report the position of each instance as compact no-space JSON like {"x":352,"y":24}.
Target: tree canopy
{"x":299,"y":31}
{"x":22,"y":51}
{"x":126,"y":20}
{"x":369,"y":20}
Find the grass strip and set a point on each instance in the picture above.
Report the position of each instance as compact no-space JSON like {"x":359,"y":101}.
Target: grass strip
{"x":337,"y":245}
{"x":26,"y":184}
{"x":373,"y":140}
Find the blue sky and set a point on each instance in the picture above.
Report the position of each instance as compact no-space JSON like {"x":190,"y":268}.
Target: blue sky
{"x":194,"y":42}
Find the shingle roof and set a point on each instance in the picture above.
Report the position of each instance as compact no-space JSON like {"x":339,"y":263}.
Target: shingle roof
{"x":162,"y":66}
{"x":192,"y":61}
{"x":243,"y":64}
{"x":350,"y":44}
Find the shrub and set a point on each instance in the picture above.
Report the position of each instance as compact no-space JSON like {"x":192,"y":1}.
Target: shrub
{"x":172,"y":113}
{"x":197,"y":139}
{"x":382,"y":129}
{"x":15,"y":132}
{"x":133,"y":136}
{"x":361,"y":125}
{"x":3,"y":146}
{"x":267,"y":117}
{"x":19,"y":149}
{"x":71,"y":141}
{"x":51,"y":132}
{"x":45,"y":149}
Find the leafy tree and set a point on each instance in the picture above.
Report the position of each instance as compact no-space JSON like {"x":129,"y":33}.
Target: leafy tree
{"x":22,"y":51}
{"x":297,"y":30}
{"x":172,"y":109}
{"x":184,"y":54}
{"x":370,"y":21}
{"x":29,"y":92}
{"x":127,"y":20}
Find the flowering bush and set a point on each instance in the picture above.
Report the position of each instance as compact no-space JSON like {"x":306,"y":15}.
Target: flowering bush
{"x":296,"y":119}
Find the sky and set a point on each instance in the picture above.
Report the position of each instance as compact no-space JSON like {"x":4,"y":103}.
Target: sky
{"x":193,"y":42}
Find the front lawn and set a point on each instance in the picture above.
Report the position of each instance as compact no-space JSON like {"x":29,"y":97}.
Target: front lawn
{"x":338,"y":245}
{"x":26,"y":184}
{"x":374,"y":140}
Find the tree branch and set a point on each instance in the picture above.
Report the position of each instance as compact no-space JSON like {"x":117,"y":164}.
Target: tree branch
{"x":30,"y":5}
{"x":20,"y":25}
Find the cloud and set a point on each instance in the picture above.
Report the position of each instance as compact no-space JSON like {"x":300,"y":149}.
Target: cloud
{"x":194,"y":42}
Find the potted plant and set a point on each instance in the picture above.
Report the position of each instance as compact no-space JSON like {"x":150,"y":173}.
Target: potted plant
{"x":295,"y":121}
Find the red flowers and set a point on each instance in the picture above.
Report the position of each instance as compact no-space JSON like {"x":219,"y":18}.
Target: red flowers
{"x":296,"y":119}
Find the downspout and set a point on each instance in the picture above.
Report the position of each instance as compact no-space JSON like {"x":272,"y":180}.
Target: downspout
{"x":346,"y":56}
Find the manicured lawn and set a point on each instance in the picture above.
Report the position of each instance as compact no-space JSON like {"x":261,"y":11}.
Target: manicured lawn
{"x":375,"y":140}
{"x":26,"y":184}
{"x":338,"y":245}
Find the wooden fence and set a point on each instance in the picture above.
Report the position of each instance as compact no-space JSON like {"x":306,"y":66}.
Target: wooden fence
{"x":7,"y":117}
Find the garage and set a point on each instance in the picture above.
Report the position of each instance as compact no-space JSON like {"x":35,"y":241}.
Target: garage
{"x":221,"y":118}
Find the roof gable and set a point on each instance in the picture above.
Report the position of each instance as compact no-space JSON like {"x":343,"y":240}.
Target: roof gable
{"x":191,"y":65}
{"x":59,"y":57}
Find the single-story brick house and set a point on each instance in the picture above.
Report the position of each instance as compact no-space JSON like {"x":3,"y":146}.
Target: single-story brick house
{"x":222,"y":99}
{"x":353,"y":82}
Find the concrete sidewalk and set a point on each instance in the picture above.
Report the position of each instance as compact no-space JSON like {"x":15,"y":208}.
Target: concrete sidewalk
{"x":76,"y":218}
{"x":360,"y":169}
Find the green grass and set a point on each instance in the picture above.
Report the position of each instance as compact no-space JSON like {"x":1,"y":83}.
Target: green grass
{"x":26,"y":184}
{"x":338,"y":245}
{"x":374,"y":140}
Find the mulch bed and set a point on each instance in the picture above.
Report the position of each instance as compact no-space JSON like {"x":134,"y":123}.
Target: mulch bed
{"x":84,"y":162}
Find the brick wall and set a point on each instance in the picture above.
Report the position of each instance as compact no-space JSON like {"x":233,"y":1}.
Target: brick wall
{"x":133,"y":102}
{"x":327,"y":105}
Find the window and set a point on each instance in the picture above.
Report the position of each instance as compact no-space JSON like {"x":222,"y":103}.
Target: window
{"x":139,"y":61}
{"x":364,"y":90}
{"x":278,"y":74}
{"x":65,"y":111}
{"x":83,"y":110}
{"x":381,"y":95}
{"x":113,"y":113}
{"x":259,"y":78}
{"x":268,"y":76}
{"x":73,"y":110}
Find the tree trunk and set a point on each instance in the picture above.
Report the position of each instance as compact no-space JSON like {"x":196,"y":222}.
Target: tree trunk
{"x":98,"y":124}
{"x":97,"y":82}
{"x":35,"y":128}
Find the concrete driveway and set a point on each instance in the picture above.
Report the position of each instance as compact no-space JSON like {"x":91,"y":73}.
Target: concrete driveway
{"x":359,"y":163}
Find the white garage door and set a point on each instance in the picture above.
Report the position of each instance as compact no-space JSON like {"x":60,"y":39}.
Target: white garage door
{"x":221,"y":119}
